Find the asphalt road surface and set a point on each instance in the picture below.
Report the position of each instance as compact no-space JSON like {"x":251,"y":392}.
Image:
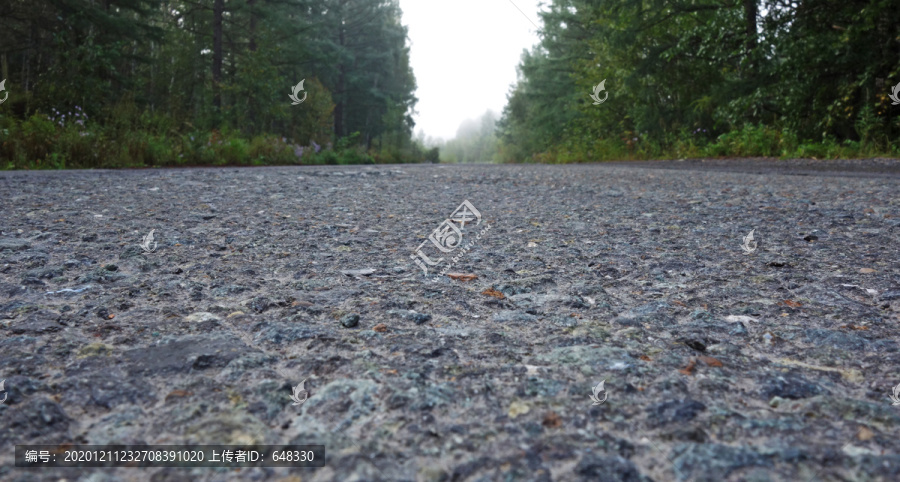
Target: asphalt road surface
{"x":606,"y":322}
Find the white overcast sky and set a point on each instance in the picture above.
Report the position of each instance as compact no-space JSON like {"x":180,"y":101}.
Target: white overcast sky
{"x":464,"y":54}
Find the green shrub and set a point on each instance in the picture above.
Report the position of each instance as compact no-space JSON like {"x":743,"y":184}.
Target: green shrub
{"x":271,"y":150}
{"x":324,"y":157}
{"x":36,"y":137}
{"x":233,"y":151}
{"x":433,"y":155}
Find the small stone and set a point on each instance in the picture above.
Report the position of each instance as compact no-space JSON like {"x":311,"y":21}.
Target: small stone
{"x":740,"y":318}
{"x":654,"y":312}
{"x":696,"y":344}
{"x":518,"y":408}
{"x":678,"y":411}
{"x":131,"y":251}
{"x":200,"y":316}
{"x":507,"y":316}
{"x":381,"y":328}
{"x":39,"y":322}
{"x":94,"y":349}
{"x":790,"y":386}
{"x":13,"y":243}
{"x":260,"y":304}
{"x":410,"y":315}
{"x":349,"y":321}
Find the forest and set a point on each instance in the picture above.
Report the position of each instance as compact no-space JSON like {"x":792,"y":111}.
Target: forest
{"x":135,"y":83}
{"x":139,"y":83}
{"x":694,"y":78}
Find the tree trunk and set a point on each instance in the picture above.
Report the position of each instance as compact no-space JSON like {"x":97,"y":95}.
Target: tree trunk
{"x":251,"y":110}
{"x":251,"y":4}
{"x":339,"y":105}
{"x":218,"y":8}
{"x":751,"y":12}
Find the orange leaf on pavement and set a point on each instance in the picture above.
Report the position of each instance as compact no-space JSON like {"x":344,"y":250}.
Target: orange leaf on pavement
{"x":492,"y":292}
{"x":552,"y":420}
{"x":462,"y":276}
{"x":711,"y":361}
{"x":689,"y":368}
{"x":855,"y":327}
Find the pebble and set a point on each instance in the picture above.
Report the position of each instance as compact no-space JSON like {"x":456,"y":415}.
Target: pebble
{"x":350,"y":320}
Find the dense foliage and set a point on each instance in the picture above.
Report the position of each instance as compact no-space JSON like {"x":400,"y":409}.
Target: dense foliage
{"x":707,"y":77}
{"x":103,"y":83}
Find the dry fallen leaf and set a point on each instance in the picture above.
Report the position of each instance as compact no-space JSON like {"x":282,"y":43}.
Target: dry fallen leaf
{"x":689,"y":368}
{"x":178,"y":393}
{"x":866,"y":270}
{"x":462,"y":276}
{"x":679,"y":303}
{"x":711,"y":361}
{"x":865,"y":434}
{"x":552,"y":420}
{"x":492,"y":292}
{"x":855,"y":327}
{"x":792,"y":303}
{"x":381,"y":328}
{"x":644,"y":357}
